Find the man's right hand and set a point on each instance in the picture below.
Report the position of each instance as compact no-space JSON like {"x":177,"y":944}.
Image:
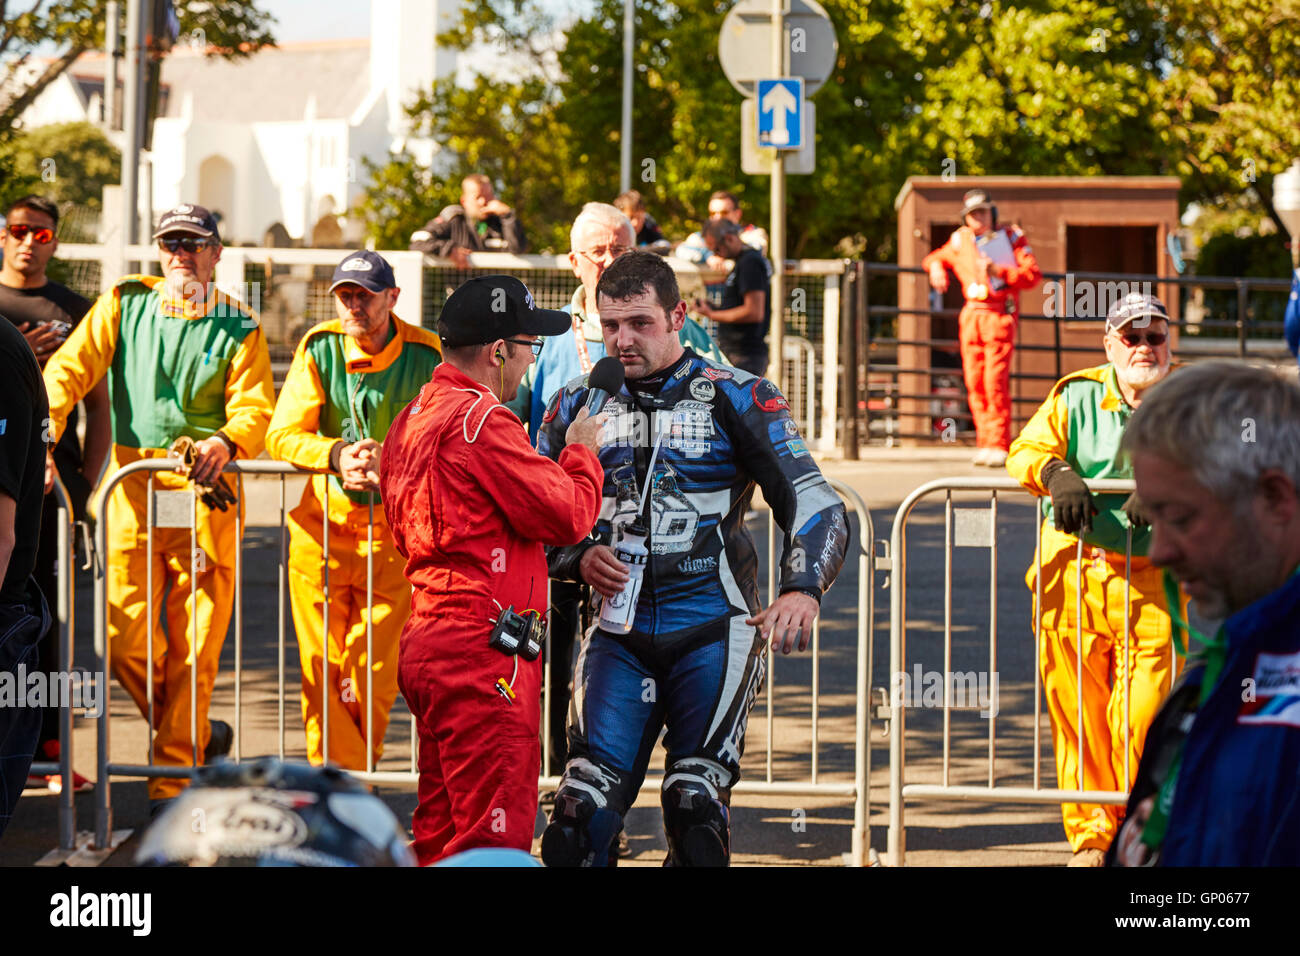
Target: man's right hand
{"x":585,"y":430}
{"x":1072,"y":505}
{"x":938,"y":278}
{"x":602,"y":569}
{"x":497,"y":208}
{"x":43,"y":338}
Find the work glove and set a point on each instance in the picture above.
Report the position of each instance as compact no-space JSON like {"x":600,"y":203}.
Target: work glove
{"x":1136,"y":512}
{"x":216,"y":496}
{"x":1072,"y":504}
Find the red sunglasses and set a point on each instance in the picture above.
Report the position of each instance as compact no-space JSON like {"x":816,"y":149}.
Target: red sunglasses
{"x":1134,"y":339}
{"x":42,"y":235}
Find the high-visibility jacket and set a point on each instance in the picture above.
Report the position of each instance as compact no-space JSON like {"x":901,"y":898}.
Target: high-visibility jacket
{"x":336,"y":392}
{"x":961,"y":254}
{"x":1081,"y":423}
{"x":174,"y":368}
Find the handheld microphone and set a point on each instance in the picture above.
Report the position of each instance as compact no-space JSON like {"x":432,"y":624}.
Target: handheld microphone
{"x":606,"y":379}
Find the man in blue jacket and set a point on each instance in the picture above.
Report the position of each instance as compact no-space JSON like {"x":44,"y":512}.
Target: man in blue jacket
{"x":1216,"y":457}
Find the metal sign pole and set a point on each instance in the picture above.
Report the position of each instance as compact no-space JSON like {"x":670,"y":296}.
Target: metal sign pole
{"x":776,"y":236}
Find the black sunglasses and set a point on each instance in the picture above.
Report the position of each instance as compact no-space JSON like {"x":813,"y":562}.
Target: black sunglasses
{"x":535,"y":346}
{"x":41,"y":235}
{"x":189,"y":243}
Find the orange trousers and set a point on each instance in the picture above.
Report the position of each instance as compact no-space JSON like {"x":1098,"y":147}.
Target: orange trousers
{"x":346,"y":692}
{"x":133,"y":638}
{"x":1121,"y":686}
{"x":988,"y":338}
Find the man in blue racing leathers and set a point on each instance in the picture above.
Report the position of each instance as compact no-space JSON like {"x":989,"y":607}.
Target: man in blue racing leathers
{"x":693,"y":660}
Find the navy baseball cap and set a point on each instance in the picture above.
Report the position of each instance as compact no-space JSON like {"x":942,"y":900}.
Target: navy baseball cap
{"x":364,"y":268}
{"x":1135,"y":305}
{"x":195,"y":220}
{"x":487,"y":308}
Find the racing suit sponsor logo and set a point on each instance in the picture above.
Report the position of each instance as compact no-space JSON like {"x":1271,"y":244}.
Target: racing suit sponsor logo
{"x":698,"y":565}
{"x":768,"y":397}
{"x":1275,"y":697}
{"x":690,"y":428}
{"x":673,"y":519}
{"x":716,"y":374}
{"x":702,"y":389}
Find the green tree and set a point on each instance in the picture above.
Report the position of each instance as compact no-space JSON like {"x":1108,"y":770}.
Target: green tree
{"x":70,"y":162}
{"x":228,"y":28}
{"x":1232,"y":95}
{"x":921,"y":87}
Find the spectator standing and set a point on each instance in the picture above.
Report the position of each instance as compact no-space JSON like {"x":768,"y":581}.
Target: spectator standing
{"x":349,"y":379}
{"x":993,"y":264}
{"x":1076,"y":434}
{"x":722,"y":205}
{"x":745,"y":313}
{"x":183,"y":360}
{"x":46,"y":312}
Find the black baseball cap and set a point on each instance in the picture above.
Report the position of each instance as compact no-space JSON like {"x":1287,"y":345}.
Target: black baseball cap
{"x":487,"y":308}
{"x":367,"y":269}
{"x":188,"y":218}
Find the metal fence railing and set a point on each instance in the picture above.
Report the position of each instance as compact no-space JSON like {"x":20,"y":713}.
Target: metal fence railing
{"x":1220,"y":317}
{"x":979,"y":527}
{"x":848,"y":778}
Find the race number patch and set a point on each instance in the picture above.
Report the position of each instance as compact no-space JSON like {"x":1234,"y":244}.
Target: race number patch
{"x":1276,"y":692}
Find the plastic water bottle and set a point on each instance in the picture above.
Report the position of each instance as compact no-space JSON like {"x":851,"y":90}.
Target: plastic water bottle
{"x":618,"y":612}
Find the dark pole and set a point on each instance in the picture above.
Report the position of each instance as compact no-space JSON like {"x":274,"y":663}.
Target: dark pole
{"x":849,"y":338}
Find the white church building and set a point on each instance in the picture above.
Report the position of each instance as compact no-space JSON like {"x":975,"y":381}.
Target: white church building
{"x":276,"y":140}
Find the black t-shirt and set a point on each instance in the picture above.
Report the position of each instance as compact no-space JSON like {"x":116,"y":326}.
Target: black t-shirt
{"x":751,"y":273}
{"x":50,"y":303}
{"x":24,"y":413}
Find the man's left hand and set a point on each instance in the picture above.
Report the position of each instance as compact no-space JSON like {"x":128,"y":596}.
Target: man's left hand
{"x":213,"y":455}
{"x":789,"y":618}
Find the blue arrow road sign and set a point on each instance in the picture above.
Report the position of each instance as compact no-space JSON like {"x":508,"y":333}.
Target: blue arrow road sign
{"x":780,"y":113}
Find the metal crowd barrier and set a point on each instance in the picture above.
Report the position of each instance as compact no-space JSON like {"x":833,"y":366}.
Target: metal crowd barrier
{"x":899,"y":790}
{"x":857,"y":790}
{"x":66,"y":604}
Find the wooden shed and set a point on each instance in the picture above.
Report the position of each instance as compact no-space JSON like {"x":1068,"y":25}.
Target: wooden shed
{"x":1118,"y":225}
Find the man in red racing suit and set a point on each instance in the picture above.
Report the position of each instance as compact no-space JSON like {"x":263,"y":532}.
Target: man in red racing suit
{"x":471,"y":505}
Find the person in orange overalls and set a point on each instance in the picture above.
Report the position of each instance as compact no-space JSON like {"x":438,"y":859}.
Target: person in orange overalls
{"x":988,"y":319}
{"x":182,"y":360}
{"x":349,"y":379}
{"x":470,"y":504}
{"x":1076,"y":435}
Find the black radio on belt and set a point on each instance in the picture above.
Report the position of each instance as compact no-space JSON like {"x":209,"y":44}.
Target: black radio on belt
{"x":520,"y":634}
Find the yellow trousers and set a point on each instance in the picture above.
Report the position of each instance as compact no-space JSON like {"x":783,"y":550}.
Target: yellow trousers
{"x":1120,"y":686}
{"x":345,"y":691}
{"x":194,"y":629}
